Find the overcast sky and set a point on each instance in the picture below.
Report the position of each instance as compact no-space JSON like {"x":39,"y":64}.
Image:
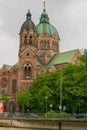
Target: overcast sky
{"x":68,"y":16}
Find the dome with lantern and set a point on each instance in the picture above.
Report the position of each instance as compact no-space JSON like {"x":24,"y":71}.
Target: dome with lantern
{"x":44,"y":26}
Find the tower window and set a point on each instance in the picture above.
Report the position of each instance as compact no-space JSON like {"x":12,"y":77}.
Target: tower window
{"x":45,"y":45}
{"x":54,"y":46}
{"x":25,"y":39}
{"x":27,"y":71}
{"x":30,"y":40}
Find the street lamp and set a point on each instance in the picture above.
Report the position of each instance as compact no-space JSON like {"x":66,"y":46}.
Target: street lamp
{"x":51,"y":105}
{"x":46,"y":105}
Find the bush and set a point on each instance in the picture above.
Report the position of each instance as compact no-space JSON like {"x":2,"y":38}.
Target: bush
{"x":64,"y":115}
{"x":52,"y":114}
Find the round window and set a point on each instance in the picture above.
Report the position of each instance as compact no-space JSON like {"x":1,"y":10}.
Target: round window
{"x":4,"y":82}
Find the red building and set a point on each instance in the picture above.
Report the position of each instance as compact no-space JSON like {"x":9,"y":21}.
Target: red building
{"x":38,"y":54}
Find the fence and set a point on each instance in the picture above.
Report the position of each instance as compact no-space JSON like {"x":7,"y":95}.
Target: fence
{"x":45,"y":115}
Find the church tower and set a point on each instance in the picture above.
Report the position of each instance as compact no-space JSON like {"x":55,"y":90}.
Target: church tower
{"x":48,"y":39}
{"x":38,"y":45}
{"x":27,"y":52}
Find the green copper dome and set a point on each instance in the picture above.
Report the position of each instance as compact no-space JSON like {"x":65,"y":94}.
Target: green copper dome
{"x":45,"y":26}
{"x":28,"y":24}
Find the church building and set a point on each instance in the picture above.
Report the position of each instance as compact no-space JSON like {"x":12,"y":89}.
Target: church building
{"x":38,"y":54}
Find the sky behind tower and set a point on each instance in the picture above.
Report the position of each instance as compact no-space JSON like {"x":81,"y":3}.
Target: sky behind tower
{"x":68,"y":16}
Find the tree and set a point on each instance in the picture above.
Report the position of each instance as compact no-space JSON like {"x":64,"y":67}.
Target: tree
{"x":75,"y":87}
{"x":5,"y":99}
{"x":23,"y":100}
{"x":83,"y":57}
{"x":74,"y":90}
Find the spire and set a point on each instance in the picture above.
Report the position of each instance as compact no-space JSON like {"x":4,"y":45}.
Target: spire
{"x":44,"y":4}
{"x":44,"y":16}
{"x":28,"y":15}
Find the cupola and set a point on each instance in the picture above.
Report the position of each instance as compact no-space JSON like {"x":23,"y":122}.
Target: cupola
{"x":44,"y":25}
{"x":28,"y":24}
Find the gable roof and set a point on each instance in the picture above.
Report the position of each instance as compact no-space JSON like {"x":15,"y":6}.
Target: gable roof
{"x":64,"y":57}
{"x":8,"y":67}
{"x":16,"y":66}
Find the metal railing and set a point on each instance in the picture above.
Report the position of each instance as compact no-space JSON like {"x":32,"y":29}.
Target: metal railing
{"x":43,"y":115}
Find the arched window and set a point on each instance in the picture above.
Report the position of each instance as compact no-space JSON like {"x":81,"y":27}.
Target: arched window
{"x":30,"y":40}
{"x":14,"y":86}
{"x":54,"y":46}
{"x":25,"y":39}
{"x":48,"y":45}
{"x":44,"y":45}
{"x":4,"y":82}
{"x":27,"y":71}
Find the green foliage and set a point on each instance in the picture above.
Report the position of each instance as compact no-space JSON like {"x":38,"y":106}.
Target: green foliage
{"x":52,"y":114}
{"x":73,"y":86}
{"x":4,"y":98}
{"x":23,"y":100}
{"x":74,"y":91}
{"x":64,"y":115}
{"x":83,"y":57}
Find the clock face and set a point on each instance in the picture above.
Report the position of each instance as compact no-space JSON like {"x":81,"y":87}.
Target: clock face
{"x":4,"y":82}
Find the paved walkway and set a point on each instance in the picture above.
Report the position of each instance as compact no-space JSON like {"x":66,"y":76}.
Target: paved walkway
{"x":5,"y":128}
